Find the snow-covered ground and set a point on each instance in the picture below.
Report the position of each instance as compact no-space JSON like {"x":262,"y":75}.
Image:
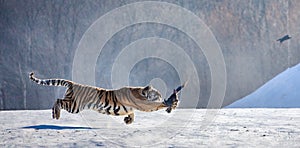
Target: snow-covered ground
{"x":181,"y":128}
{"x":283,"y":91}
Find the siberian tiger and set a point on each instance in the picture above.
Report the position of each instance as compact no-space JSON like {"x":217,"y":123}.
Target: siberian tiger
{"x":122,"y":101}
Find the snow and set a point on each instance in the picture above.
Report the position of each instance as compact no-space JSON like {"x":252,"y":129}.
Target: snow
{"x":181,"y":128}
{"x":283,"y":91}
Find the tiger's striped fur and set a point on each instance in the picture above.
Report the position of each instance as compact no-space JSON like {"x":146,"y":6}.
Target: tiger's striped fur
{"x":122,"y":101}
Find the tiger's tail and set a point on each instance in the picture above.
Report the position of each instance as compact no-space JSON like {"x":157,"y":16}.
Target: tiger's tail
{"x":50,"y":82}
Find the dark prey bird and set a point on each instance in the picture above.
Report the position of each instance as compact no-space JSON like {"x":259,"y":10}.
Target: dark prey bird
{"x":286,"y":37}
{"x":173,"y":98}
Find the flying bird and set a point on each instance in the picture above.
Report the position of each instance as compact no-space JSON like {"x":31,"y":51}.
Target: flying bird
{"x":286,"y":37}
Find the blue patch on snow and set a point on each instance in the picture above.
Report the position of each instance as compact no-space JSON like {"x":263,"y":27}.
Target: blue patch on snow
{"x":54,"y":127}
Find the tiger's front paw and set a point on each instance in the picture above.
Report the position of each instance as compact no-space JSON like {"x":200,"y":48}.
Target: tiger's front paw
{"x":129,"y":119}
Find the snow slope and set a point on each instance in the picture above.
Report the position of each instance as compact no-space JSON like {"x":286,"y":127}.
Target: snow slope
{"x":283,"y":91}
{"x":230,"y":128}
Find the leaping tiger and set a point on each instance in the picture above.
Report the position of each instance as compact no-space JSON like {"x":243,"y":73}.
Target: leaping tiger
{"x":117,"y":102}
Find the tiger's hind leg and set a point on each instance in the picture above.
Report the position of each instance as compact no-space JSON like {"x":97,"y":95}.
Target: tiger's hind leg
{"x":56,"y":109}
{"x":58,"y":105}
{"x":129,"y":119}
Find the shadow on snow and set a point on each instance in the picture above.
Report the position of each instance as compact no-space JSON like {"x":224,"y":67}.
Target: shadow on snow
{"x":54,"y":127}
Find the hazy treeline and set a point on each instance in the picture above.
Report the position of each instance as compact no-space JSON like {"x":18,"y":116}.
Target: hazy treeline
{"x":42,"y":36}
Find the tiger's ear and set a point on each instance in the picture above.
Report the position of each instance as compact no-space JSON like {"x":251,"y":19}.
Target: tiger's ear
{"x":146,"y":89}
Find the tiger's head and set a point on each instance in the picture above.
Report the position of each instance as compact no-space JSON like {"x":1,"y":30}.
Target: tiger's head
{"x":151,"y":93}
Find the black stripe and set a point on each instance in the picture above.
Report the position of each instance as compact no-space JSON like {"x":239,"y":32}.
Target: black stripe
{"x":68,"y":106}
{"x":114,"y":100}
{"x":63,"y":82}
{"x":106,"y":99}
{"x":124,"y":108}
{"x":82,"y":96}
{"x":100,"y":95}
{"x":98,"y":102}
{"x":58,"y":82}
{"x":93,"y":99}
{"x":68,"y":84}
{"x":116,"y":111}
{"x":74,"y":105}
{"x":69,"y":93}
{"x":53,"y":82}
{"x":102,"y":99}
{"x":107,"y":110}
{"x":77,"y":111}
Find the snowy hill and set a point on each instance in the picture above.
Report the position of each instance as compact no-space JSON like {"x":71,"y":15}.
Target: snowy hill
{"x":281,"y":91}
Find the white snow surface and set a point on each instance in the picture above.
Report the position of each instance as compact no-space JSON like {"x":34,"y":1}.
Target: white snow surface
{"x":283,"y":91}
{"x":181,"y":128}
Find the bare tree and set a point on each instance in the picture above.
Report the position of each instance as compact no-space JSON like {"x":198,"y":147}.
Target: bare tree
{"x":31,"y":14}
